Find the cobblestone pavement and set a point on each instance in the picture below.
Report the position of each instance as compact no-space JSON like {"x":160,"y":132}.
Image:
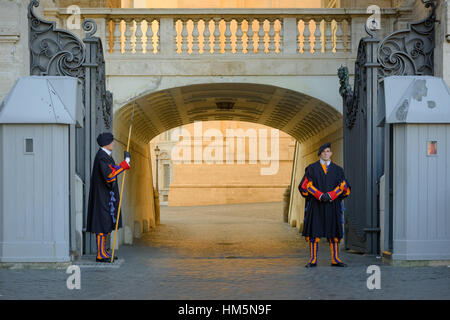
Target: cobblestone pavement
{"x":227,"y":252}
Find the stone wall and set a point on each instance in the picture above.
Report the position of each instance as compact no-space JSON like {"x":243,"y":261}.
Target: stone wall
{"x":442,"y":51}
{"x":365,"y":3}
{"x":221,"y":4}
{"x":14,"y":55}
{"x":227,"y":183}
{"x":138,"y":214}
{"x":88,"y":3}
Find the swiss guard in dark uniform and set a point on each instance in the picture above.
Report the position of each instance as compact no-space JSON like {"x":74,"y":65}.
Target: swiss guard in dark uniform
{"x":324,"y":186}
{"x":104,"y":194}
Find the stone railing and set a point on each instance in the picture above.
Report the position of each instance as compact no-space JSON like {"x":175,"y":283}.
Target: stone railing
{"x":206,"y":32}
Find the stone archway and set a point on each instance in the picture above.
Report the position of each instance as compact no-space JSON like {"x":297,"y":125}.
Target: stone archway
{"x":307,"y":119}
{"x":295,"y":113}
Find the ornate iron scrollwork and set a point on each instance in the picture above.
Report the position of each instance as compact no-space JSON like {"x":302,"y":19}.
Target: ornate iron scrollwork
{"x":352,"y":98}
{"x":58,"y":52}
{"x":404,"y":52}
{"x":410,"y":51}
{"x":347,"y":94}
{"x":104,"y":100}
{"x":53,"y":51}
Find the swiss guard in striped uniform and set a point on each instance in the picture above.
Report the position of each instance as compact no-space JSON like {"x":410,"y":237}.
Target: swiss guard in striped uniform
{"x":324,"y":186}
{"x":104,"y":194}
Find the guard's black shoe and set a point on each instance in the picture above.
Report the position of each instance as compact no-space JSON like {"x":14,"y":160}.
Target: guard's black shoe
{"x":311,"y":265}
{"x":103,"y":260}
{"x":115,"y":257}
{"x":339,"y":264}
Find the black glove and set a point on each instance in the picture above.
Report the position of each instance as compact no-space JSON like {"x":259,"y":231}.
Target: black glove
{"x":126,"y":155}
{"x":325,"y":197}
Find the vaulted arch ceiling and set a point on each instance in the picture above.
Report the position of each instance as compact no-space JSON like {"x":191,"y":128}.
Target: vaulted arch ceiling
{"x":297,"y":114}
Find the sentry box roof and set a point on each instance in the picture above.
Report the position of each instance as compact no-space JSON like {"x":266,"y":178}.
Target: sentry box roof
{"x":416,"y":99}
{"x":39,"y":99}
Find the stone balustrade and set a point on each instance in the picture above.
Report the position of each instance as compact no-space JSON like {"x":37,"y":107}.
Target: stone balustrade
{"x":207,"y":32}
{"x":218,"y":35}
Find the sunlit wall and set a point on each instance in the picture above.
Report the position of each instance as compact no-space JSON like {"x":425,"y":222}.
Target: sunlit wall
{"x":225,"y":3}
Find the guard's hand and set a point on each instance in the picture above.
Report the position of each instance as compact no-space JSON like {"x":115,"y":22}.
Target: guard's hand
{"x":126,"y":156}
{"x":325,"y":197}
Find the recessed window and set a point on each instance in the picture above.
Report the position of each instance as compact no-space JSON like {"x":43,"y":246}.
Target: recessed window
{"x":29,"y":146}
{"x":166,"y":176}
{"x":432,"y":148}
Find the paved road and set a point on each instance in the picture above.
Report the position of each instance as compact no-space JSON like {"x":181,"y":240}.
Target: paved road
{"x":227,"y":252}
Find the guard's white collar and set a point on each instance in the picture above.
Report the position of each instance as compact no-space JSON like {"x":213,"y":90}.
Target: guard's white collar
{"x":106,"y":150}
{"x":323,"y":162}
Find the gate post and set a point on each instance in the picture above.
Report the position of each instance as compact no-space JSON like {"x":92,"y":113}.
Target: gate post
{"x":362,"y":147}
{"x":98,"y":106}
{"x":374,"y":142}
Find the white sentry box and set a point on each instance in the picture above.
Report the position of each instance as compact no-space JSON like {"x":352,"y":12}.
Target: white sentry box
{"x":35,"y":172}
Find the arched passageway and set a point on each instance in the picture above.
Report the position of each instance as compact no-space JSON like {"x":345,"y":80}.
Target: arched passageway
{"x":307,"y":119}
{"x":295,"y":113}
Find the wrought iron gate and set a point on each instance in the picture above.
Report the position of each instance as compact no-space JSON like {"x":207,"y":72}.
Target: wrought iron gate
{"x":362,"y":140}
{"x":367,"y":140}
{"x":57,"y":52}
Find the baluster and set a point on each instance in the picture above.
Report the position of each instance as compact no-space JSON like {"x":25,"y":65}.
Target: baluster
{"x":306,"y":37}
{"x":184,"y":37}
{"x":239,"y":35}
{"x":195,"y":37}
{"x":217,"y":39}
{"x":189,"y":37}
{"x":271,"y":35}
{"x":156,"y":39}
{"x":328,"y":35}
{"x":138,"y":34}
{"x":178,"y":40}
{"x":338,"y":37}
{"x":245,"y":39}
{"x":116,"y":35}
{"x":300,"y":38}
{"x":346,"y":37}
{"x":261,"y":34}
{"x":228,"y":47}
{"x":266,"y":37}
{"x":201,"y":35}
{"x":318,"y":38}
{"x":109,"y":35}
{"x":149,"y":34}
{"x":250,"y":36}
{"x":206,"y":37}
{"x":278,"y":35}
{"x":233,"y":38}
{"x":128,"y":22}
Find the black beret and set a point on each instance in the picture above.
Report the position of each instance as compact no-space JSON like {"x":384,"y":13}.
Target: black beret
{"x":323,"y":147}
{"x":105,"y":138}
